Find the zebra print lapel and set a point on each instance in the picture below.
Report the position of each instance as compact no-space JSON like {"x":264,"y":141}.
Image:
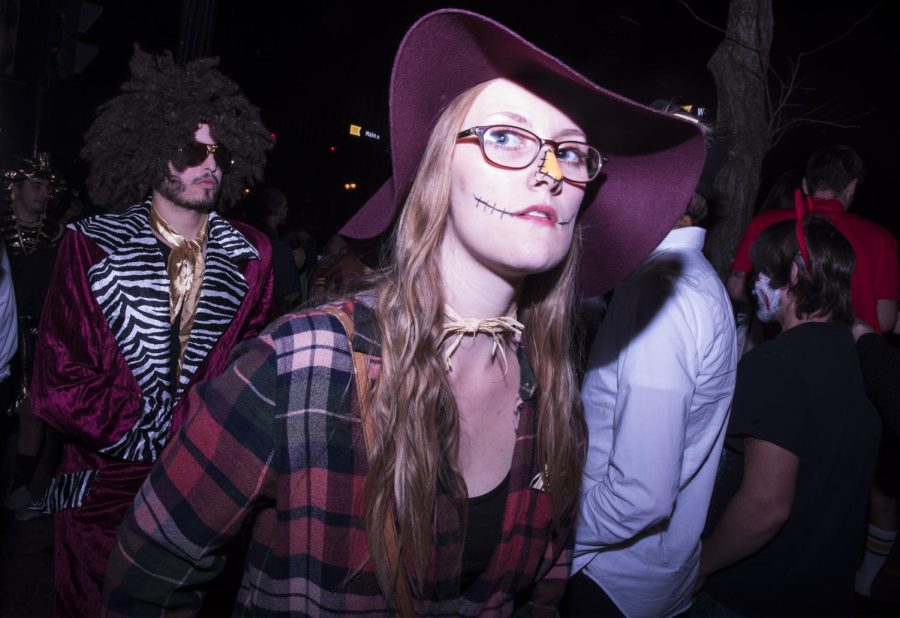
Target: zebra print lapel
{"x":132,"y":288}
{"x":221,"y":293}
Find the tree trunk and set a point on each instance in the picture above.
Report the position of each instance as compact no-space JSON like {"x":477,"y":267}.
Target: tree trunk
{"x":739,"y":66}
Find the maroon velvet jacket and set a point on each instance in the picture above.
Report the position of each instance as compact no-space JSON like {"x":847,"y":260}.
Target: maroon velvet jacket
{"x":101,"y":371}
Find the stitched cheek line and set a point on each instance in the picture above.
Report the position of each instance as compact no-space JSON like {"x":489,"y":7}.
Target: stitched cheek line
{"x":488,"y":207}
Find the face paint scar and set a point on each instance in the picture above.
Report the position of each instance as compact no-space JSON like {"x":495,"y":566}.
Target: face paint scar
{"x":488,"y":207}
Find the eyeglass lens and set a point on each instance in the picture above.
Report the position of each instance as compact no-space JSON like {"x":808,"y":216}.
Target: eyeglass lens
{"x":517,"y":148}
{"x":195,"y":153}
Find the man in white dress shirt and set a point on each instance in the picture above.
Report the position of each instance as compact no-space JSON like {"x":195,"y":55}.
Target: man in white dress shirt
{"x":656,"y":393}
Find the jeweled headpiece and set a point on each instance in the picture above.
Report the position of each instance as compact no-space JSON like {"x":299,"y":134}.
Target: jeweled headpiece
{"x":37,"y":168}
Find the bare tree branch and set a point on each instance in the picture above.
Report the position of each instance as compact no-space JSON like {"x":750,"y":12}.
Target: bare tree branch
{"x":758,"y":106}
{"x":719,"y":29}
{"x":786,"y":91}
{"x":845,"y":34}
{"x":806,"y":120}
{"x":778,"y":99}
{"x":701,"y":20}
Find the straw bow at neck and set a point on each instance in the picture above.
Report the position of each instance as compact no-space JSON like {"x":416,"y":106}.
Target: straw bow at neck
{"x":458,"y":327}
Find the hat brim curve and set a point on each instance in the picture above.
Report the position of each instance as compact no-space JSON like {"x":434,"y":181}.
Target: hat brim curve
{"x":654,"y":159}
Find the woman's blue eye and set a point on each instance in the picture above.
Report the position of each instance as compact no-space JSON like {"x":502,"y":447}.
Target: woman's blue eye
{"x":504,"y":138}
{"x":572,"y":155}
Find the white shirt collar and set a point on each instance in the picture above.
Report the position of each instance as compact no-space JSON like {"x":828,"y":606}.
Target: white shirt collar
{"x":691,"y":237}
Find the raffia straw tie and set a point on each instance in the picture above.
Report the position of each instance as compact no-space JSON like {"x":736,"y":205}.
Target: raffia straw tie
{"x":496,"y":328}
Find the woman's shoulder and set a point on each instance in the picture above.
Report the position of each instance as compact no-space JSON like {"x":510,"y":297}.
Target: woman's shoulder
{"x":324,"y":327}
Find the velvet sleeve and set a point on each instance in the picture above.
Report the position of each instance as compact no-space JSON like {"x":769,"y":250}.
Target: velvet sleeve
{"x":261,"y":274}
{"x":81,"y":385}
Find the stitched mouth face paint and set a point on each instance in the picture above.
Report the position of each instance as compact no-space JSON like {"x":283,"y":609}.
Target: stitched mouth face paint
{"x":548,"y":214}
{"x":549,"y":169}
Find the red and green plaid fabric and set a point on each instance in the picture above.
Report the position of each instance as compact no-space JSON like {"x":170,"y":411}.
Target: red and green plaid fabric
{"x":276,"y":443}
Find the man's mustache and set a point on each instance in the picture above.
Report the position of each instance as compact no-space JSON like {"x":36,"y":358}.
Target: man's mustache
{"x":205,"y":177}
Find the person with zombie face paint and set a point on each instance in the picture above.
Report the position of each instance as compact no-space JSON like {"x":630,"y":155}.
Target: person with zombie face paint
{"x":147,"y":300}
{"x":832,"y":178}
{"x":418,"y":448}
{"x":801,"y":443}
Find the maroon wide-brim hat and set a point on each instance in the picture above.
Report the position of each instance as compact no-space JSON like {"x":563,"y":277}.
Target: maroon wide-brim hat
{"x":654,"y":159}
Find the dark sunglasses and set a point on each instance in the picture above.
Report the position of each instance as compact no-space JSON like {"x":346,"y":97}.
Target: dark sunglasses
{"x":195,"y":153}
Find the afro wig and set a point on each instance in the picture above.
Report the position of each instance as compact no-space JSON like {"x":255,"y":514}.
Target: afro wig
{"x":136,"y":133}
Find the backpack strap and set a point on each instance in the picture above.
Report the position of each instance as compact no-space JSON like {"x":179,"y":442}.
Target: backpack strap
{"x":361,"y":375}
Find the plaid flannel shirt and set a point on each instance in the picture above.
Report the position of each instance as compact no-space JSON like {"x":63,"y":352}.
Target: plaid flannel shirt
{"x":278,"y":438}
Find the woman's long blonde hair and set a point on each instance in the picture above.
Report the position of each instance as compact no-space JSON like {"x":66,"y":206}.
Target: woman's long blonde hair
{"x":416,"y":418}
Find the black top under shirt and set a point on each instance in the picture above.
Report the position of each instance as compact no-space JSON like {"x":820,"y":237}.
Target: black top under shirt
{"x":803,"y":391}
{"x":482,"y":532}
{"x":174,"y":330}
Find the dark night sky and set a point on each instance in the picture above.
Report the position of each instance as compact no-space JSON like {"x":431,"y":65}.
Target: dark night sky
{"x":313,"y":69}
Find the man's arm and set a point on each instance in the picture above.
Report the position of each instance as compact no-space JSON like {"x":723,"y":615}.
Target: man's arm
{"x":759,"y":508}
{"x":656,"y":367}
{"x":737,"y":287}
{"x":887,"y":314}
{"x":198,"y":494}
{"x":887,"y":282}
